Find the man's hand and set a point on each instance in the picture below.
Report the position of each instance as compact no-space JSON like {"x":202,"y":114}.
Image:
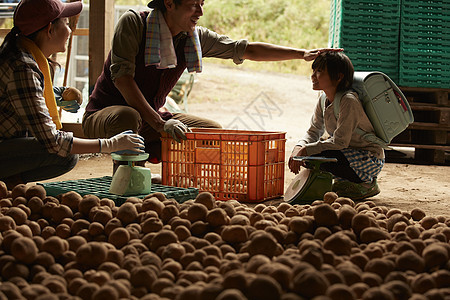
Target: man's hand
{"x":310,"y":55}
{"x":295,"y":165}
{"x":176,"y":129}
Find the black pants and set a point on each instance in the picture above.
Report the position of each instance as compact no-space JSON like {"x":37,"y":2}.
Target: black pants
{"x":341,"y":168}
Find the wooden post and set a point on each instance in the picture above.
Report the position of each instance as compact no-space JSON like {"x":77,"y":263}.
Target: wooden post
{"x":101,"y":28}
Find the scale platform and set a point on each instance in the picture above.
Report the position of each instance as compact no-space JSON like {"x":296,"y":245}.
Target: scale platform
{"x":100,"y":188}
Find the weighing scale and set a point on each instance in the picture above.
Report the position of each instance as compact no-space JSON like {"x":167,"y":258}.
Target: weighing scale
{"x":311,"y":183}
{"x":129,"y":179}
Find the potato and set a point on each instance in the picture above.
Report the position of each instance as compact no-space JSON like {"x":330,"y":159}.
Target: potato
{"x":300,"y":225}
{"x":91,"y":254}
{"x":345,"y":216}
{"x":421,"y":283}
{"x":35,"y":204}
{"x":435,"y":255}
{"x":380,"y":266}
{"x":162,"y":238}
{"x":33,"y":291}
{"x":71,"y":93}
{"x":207,"y":199}
{"x":360,"y":221}
{"x":310,"y":284}
{"x":417,"y":214}
{"x":177,"y":221}
{"x":396,"y":218}
{"x":372,"y":279}
{"x":240,"y":219}
{"x":19,"y":216}
{"x":112,"y":224}
{"x":217,"y":217}
{"x":55,"y":245}
{"x":106,"y":292}
{"x":60,"y":212}
{"x":127,"y":213}
{"x":264,"y":287}
{"x":8,"y":238}
{"x":378,"y":293}
{"x":262,"y":243}
{"x":428,"y":222}
{"x":101,"y":215}
{"x":19,"y":200}
{"x":18,"y":191}
{"x":325,"y":215}
{"x":86,"y":290}
{"x":3,"y":190}
{"x":24,"y":250}
{"x":168,"y":212}
{"x":35,"y":191}
{"x":7,"y":223}
{"x":14,"y":269}
{"x":197,"y":212}
{"x":338,"y":243}
{"x":183,"y":232}
{"x":151,"y":225}
{"x":10,"y":290}
{"x":6,"y":202}
{"x":340,"y":291}
{"x":350,"y":273}
{"x":152,"y":204}
{"x":88,"y":202}
{"x":72,"y":199}
{"x":372,"y":234}
{"x":234,"y":234}
{"x":119,"y":237}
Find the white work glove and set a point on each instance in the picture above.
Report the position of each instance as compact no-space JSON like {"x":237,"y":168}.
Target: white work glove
{"x":126,"y":142}
{"x":176,"y":129}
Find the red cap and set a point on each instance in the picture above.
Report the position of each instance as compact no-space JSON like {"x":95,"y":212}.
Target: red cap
{"x":32,"y":15}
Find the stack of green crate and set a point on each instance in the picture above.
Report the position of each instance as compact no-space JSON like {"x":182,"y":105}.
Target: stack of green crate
{"x":425,"y":43}
{"x":369,"y":33}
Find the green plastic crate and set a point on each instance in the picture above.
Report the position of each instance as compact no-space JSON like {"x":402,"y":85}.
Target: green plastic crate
{"x":100,"y":187}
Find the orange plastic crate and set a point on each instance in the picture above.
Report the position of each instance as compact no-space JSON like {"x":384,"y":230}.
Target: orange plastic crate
{"x":247,"y":166}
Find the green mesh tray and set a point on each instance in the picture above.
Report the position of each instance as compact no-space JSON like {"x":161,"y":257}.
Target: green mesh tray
{"x":100,"y":187}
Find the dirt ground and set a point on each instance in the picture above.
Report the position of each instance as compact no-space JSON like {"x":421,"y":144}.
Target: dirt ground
{"x":250,"y":100}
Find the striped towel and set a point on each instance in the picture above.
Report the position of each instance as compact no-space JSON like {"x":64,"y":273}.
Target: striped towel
{"x":159,"y":49}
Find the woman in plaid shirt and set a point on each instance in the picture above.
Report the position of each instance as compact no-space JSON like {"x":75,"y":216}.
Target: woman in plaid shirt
{"x":31,"y":145}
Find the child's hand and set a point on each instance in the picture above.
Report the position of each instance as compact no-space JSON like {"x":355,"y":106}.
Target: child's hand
{"x":295,"y":165}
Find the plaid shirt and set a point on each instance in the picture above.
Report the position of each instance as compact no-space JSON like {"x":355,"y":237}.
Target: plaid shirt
{"x":23,"y":112}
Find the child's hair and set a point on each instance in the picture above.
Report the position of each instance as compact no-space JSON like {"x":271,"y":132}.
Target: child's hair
{"x":336,"y":63}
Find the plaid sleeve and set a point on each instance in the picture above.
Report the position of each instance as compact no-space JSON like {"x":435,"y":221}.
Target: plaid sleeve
{"x":25,"y":91}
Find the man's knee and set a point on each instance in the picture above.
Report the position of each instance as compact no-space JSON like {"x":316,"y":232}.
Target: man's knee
{"x":124,"y":119}
{"x":111,"y":121}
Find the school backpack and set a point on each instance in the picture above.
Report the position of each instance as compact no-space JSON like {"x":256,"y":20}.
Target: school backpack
{"x":384,"y":103}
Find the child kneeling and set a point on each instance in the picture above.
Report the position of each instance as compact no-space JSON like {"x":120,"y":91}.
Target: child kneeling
{"x":359,"y":162}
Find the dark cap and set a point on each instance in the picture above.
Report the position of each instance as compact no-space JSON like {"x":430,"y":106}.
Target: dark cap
{"x":155,"y":3}
{"x":32,"y":15}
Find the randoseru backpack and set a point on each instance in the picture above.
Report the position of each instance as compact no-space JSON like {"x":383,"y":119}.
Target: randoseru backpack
{"x":384,"y":103}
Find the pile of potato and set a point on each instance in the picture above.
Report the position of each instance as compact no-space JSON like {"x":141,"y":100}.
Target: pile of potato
{"x":74,"y":247}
